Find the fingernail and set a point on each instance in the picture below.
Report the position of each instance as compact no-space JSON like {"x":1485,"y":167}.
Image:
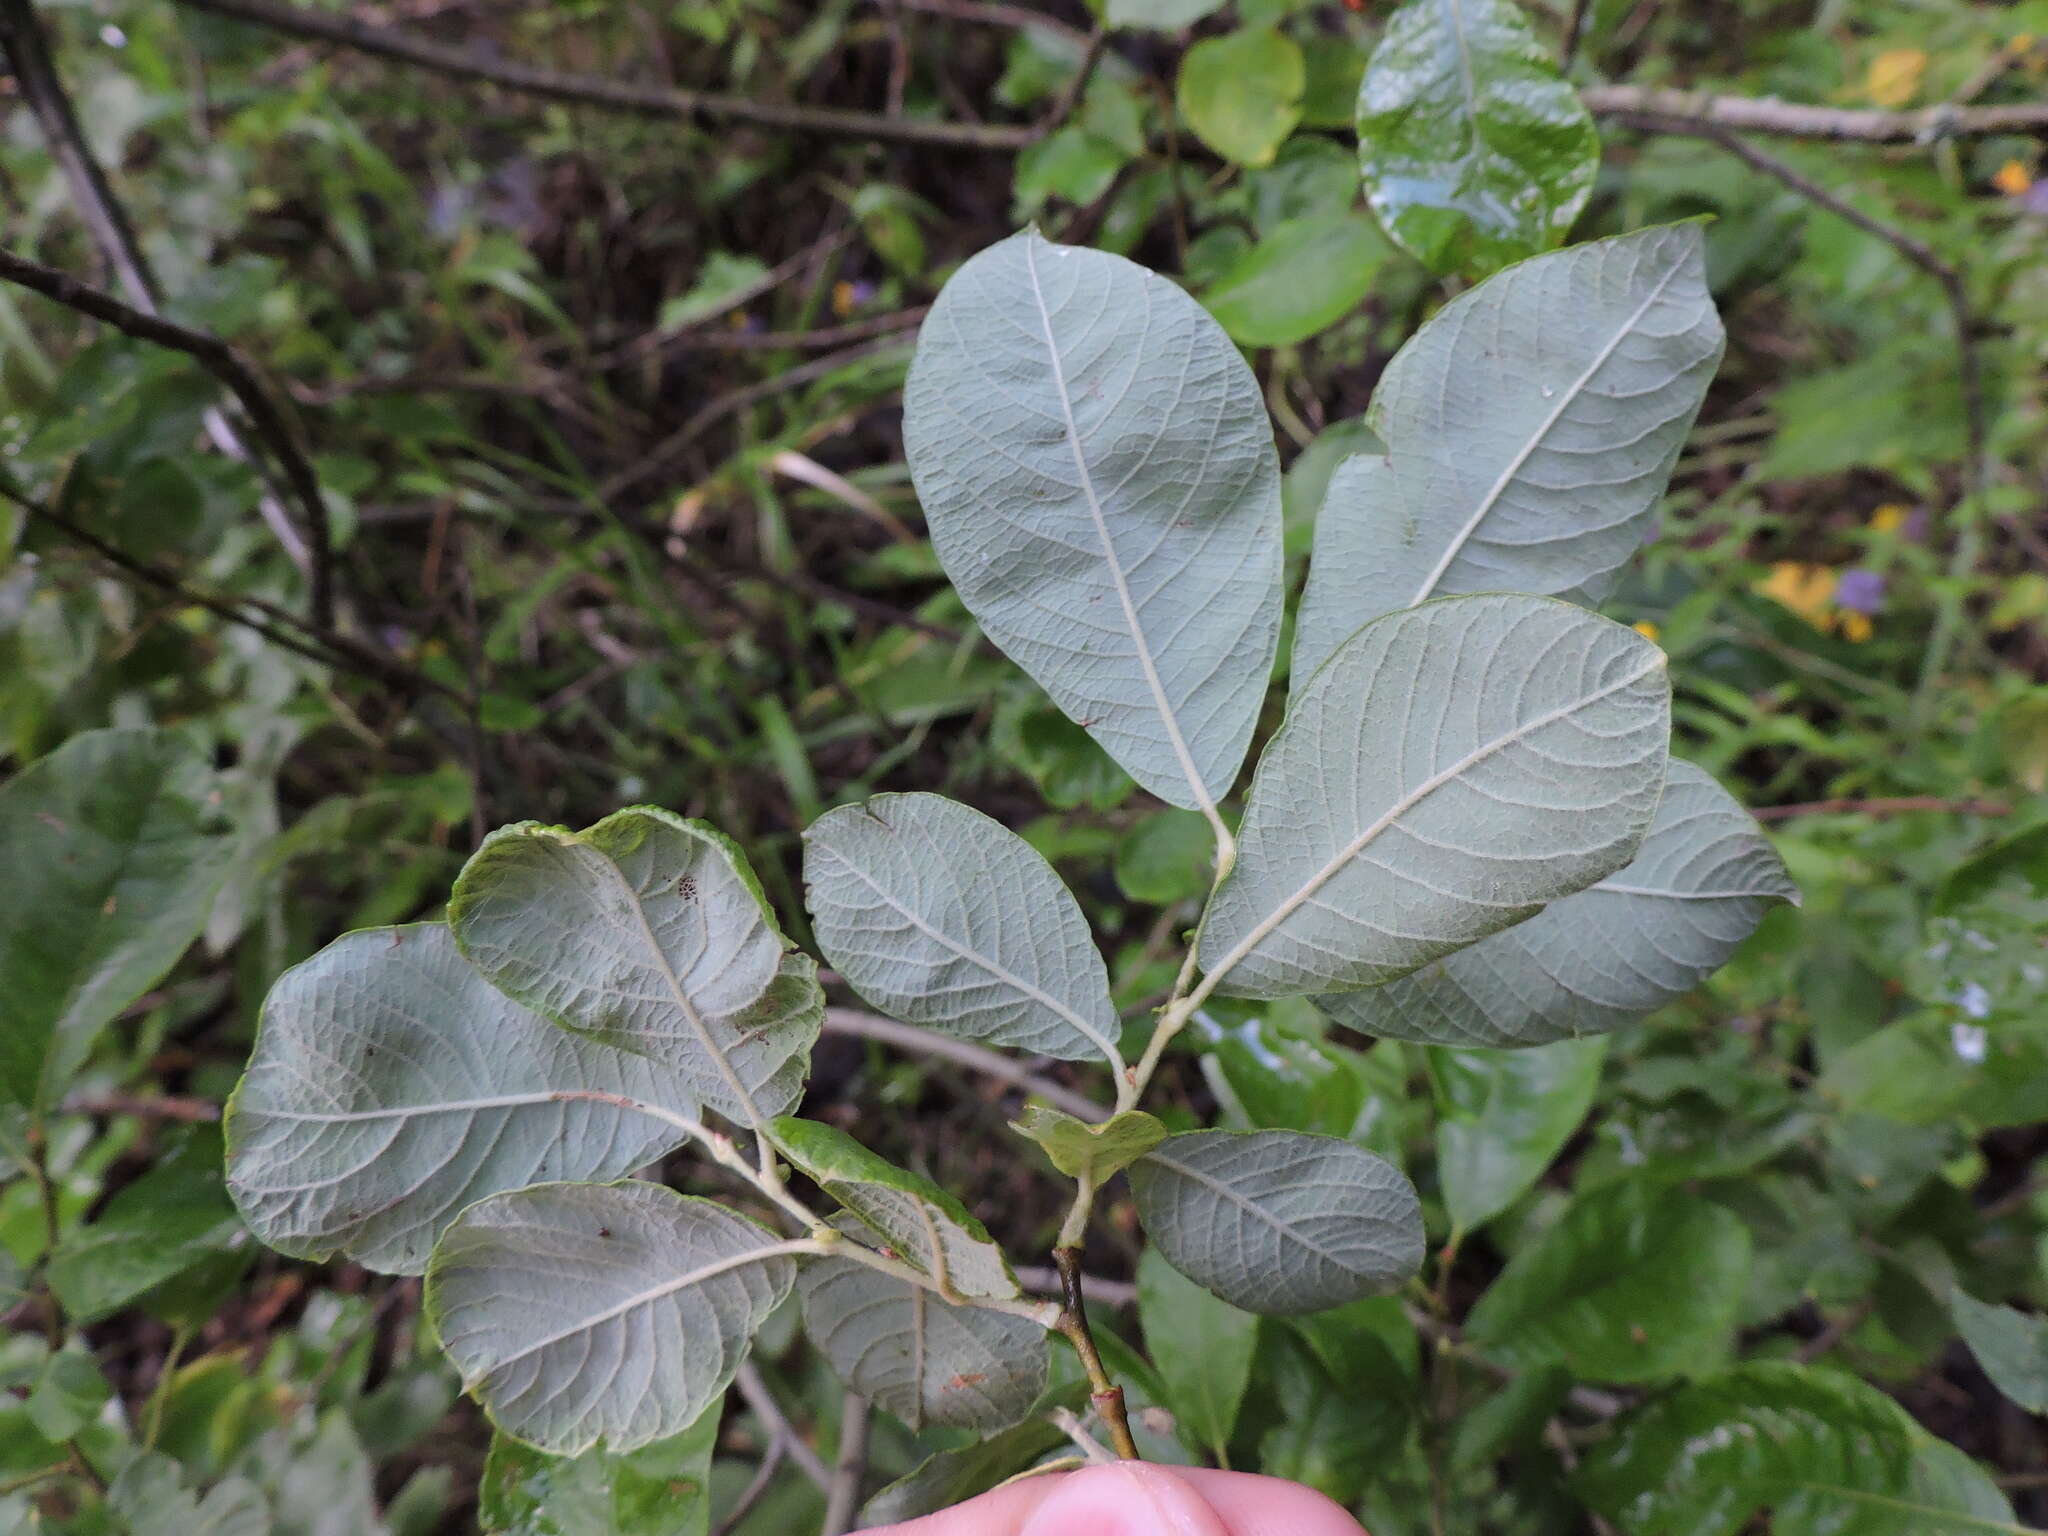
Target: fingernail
{"x":1127,"y":1500}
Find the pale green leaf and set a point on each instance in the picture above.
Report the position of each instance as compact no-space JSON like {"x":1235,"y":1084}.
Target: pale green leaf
{"x":1475,"y":150}
{"x":1202,"y":1348}
{"x":1279,"y":1222}
{"x":1451,"y":770}
{"x":1606,"y":957}
{"x":1302,"y":278}
{"x":650,"y":933}
{"x":924,"y":1225}
{"x":1091,"y":1152}
{"x":391,"y":1086}
{"x":663,"y":1489}
{"x":1826,"y":1454}
{"x":149,"y":1498}
{"x":1242,"y":93}
{"x":1635,"y":1282}
{"x":1098,"y":475}
{"x":114,"y":852}
{"x":174,"y":1220}
{"x":2011,"y":1345}
{"x":581,"y":1314}
{"x":1530,"y":428}
{"x":1505,"y":1115}
{"x":937,"y":914}
{"x":919,"y":1356}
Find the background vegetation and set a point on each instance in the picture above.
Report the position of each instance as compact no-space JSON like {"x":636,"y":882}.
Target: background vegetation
{"x":578,"y":394}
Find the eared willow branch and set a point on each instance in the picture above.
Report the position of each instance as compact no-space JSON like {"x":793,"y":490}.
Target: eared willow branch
{"x":1104,"y":1393}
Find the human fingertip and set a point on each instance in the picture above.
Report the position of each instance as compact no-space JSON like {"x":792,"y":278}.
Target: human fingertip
{"x":1129,"y":1499}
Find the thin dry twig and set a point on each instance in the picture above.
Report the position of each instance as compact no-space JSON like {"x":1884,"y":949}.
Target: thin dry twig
{"x":296,"y":635}
{"x":226,"y":364}
{"x":613,"y":95}
{"x":27,"y":51}
{"x":976,"y":1058}
{"x":754,"y":1390}
{"x":1894,"y":805}
{"x":849,"y":1468}
{"x":993,"y":13}
{"x":1659,"y":109}
{"x":1969,"y":375}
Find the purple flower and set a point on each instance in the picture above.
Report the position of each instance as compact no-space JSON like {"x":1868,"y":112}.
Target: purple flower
{"x":1860,"y":591}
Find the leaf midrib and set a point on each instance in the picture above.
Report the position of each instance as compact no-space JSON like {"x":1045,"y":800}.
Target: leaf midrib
{"x":689,"y":1009}
{"x":993,"y":967}
{"x":1293,"y":903}
{"x":1283,"y":1228}
{"x":1142,"y":646}
{"x":655,"y":1293}
{"x":1536,"y":438}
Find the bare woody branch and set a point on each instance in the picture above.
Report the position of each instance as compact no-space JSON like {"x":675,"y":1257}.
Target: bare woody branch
{"x":1652,"y":108}
{"x":224,"y":363}
{"x":27,"y":51}
{"x":1658,"y":109}
{"x":614,"y":95}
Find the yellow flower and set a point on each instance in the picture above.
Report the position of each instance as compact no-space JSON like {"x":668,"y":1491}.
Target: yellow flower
{"x":1855,"y":627}
{"x":843,"y":299}
{"x":2012,"y":179}
{"x":1889,"y":518}
{"x":1894,"y":77}
{"x":1647,"y":630}
{"x":1803,"y":587}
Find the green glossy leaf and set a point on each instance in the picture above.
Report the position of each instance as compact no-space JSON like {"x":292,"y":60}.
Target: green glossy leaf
{"x":918,"y":1356}
{"x":149,"y":1498}
{"x":650,"y":933}
{"x":950,"y":1477}
{"x":1826,"y":1454}
{"x":937,"y":914}
{"x":1279,"y":1222}
{"x":115,"y":854}
{"x":1606,"y":957}
{"x":173,"y":1219}
{"x":1505,"y":1115}
{"x":1635,"y":1282}
{"x":1098,"y":474}
{"x":1530,"y":429}
{"x":1092,"y":1152}
{"x":1330,"y":1434}
{"x":391,"y":1086}
{"x":2011,"y":1345}
{"x":1202,"y":1348}
{"x":1475,"y":150}
{"x":923,"y":1224}
{"x":614,"y":1314}
{"x":1302,"y":278}
{"x":1451,"y":770}
{"x":663,"y":1489}
{"x":1167,"y":15}
{"x":1242,"y":93}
